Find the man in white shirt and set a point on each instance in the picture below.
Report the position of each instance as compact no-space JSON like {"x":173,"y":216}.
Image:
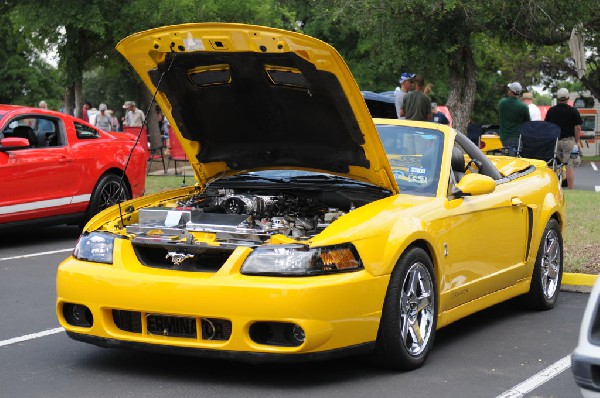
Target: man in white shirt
{"x":406,"y":84}
{"x":134,"y":117}
{"x":534,"y":111}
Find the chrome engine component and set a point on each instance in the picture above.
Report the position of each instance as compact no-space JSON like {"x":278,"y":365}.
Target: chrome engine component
{"x":236,"y":218}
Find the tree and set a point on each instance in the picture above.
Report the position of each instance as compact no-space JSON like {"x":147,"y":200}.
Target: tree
{"x":25,"y":78}
{"x":86,"y":32}
{"x":440,"y":36}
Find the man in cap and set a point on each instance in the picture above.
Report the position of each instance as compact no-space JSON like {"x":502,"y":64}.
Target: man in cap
{"x":134,"y":117}
{"x":534,"y":111}
{"x":406,"y":84}
{"x":512,"y":114}
{"x":569,"y":120}
{"x":416,"y":104}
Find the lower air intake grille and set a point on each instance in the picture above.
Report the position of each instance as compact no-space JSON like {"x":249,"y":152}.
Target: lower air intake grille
{"x":128,"y":321}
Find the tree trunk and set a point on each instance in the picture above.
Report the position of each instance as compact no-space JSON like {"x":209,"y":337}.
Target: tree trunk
{"x":78,"y":89}
{"x":152,"y":124}
{"x":70,"y":100}
{"x":72,"y":59}
{"x":463,"y":85}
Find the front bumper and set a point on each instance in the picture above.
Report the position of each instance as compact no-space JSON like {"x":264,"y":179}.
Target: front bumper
{"x":335,"y":311}
{"x":586,"y":370}
{"x":250,"y":357}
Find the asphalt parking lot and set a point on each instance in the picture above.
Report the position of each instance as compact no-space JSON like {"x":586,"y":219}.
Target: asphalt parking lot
{"x":491,"y":354}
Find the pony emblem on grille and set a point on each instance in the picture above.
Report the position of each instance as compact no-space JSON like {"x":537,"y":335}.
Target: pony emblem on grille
{"x":178,"y":258}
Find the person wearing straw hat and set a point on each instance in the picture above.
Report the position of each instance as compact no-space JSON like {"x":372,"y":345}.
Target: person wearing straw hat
{"x":134,"y":116}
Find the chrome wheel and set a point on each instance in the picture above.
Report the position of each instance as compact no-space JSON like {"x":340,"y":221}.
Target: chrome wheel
{"x":550,"y":264}
{"x":416,"y":309}
{"x":112,"y":193}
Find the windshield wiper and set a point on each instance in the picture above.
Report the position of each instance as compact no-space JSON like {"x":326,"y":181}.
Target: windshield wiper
{"x":251,"y":177}
{"x":331,"y":178}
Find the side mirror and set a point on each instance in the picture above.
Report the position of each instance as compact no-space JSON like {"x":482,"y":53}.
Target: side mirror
{"x":474,"y":184}
{"x":14,"y":143}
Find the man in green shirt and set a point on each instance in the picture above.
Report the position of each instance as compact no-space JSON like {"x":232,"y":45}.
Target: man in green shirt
{"x":512,"y":114}
{"x":416,"y":104}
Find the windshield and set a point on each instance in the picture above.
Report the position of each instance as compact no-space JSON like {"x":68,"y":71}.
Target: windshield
{"x":415,"y":156}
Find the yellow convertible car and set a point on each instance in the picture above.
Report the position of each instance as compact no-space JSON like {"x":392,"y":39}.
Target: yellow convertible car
{"x":314,"y":231}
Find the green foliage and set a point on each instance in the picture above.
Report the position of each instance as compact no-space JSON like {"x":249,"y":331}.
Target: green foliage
{"x":25,"y":78}
{"x":379,"y":40}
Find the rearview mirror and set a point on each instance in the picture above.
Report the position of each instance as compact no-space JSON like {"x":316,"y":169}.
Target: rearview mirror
{"x":474,"y":184}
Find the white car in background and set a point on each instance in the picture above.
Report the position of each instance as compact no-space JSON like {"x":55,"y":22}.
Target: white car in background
{"x":586,"y":357}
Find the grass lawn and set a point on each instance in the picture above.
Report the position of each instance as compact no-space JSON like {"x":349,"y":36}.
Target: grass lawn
{"x":590,"y":158}
{"x":582,"y":249}
{"x":161,"y":183}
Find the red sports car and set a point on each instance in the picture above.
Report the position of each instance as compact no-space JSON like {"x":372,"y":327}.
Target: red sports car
{"x":57,"y":169}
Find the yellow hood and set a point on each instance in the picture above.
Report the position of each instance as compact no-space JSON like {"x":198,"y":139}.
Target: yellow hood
{"x":254,"y":98}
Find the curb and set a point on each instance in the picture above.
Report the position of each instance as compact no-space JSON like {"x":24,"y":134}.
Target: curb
{"x":581,"y":283}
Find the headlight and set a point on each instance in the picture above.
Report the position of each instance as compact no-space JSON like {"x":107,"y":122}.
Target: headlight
{"x":96,"y":247}
{"x":300,"y":260}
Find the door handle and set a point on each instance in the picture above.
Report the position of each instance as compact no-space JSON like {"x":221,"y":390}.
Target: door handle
{"x":516,"y":201}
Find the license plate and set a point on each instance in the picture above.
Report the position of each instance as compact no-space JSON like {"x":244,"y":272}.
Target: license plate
{"x":174,"y":326}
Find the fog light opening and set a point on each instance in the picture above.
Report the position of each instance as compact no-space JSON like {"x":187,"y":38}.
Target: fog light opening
{"x":78,"y":315}
{"x":208,"y":329}
{"x":298,"y":334}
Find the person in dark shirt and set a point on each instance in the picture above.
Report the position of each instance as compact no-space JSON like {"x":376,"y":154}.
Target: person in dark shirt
{"x":512,"y":113}
{"x":437,"y":115}
{"x":568,"y":119}
{"x":416,"y":104}
{"x":474,"y":132}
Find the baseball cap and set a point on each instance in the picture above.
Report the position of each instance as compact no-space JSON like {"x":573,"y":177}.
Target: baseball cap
{"x":102,"y":107}
{"x":406,"y":76}
{"x":127,"y":104}
{"x":527,"y":96}
{"x":562,"y":94}
{"x":515,"y":87}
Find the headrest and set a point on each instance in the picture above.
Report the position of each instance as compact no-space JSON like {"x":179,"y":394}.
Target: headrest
{"x":458,"y":159}
{"x":25,"y":132}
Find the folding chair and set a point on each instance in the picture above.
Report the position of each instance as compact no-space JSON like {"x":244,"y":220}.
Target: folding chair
{"x":153,"y":154}
{"x":539,"y":140}
{"x":176,"y":152}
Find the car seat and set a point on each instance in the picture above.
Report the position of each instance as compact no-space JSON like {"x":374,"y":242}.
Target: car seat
{"x":26,"y":132}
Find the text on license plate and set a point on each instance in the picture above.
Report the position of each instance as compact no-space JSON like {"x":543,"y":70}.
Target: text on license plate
{"x":175,"y":326}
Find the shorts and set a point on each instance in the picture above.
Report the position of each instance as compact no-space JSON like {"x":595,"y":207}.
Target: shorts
{"x":510,"y":145}
{"x":564,"y":149}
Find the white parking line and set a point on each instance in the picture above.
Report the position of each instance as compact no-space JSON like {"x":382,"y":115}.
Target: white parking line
{"x":36,"y":254}
{"x":32,"y":336}
{"x":594,"y":166}
{"x":538,"y":379}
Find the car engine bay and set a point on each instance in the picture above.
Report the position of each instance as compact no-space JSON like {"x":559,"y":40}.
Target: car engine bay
{"x":249,"y":217}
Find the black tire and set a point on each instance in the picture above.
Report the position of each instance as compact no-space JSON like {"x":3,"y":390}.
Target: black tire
{"x":108,"y":191}
{"x":548,"y":269}
{"x":396,"y":347}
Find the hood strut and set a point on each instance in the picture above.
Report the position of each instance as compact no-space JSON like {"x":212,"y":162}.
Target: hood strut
{"x":141,"y":130}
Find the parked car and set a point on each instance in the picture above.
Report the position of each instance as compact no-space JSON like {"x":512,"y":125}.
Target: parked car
{"x":585,"y":360}
{"x":57,"y":169}
{"x":314,"y":231}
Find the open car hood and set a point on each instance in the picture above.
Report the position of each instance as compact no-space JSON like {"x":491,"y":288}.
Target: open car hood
{"x":254,"y":98}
